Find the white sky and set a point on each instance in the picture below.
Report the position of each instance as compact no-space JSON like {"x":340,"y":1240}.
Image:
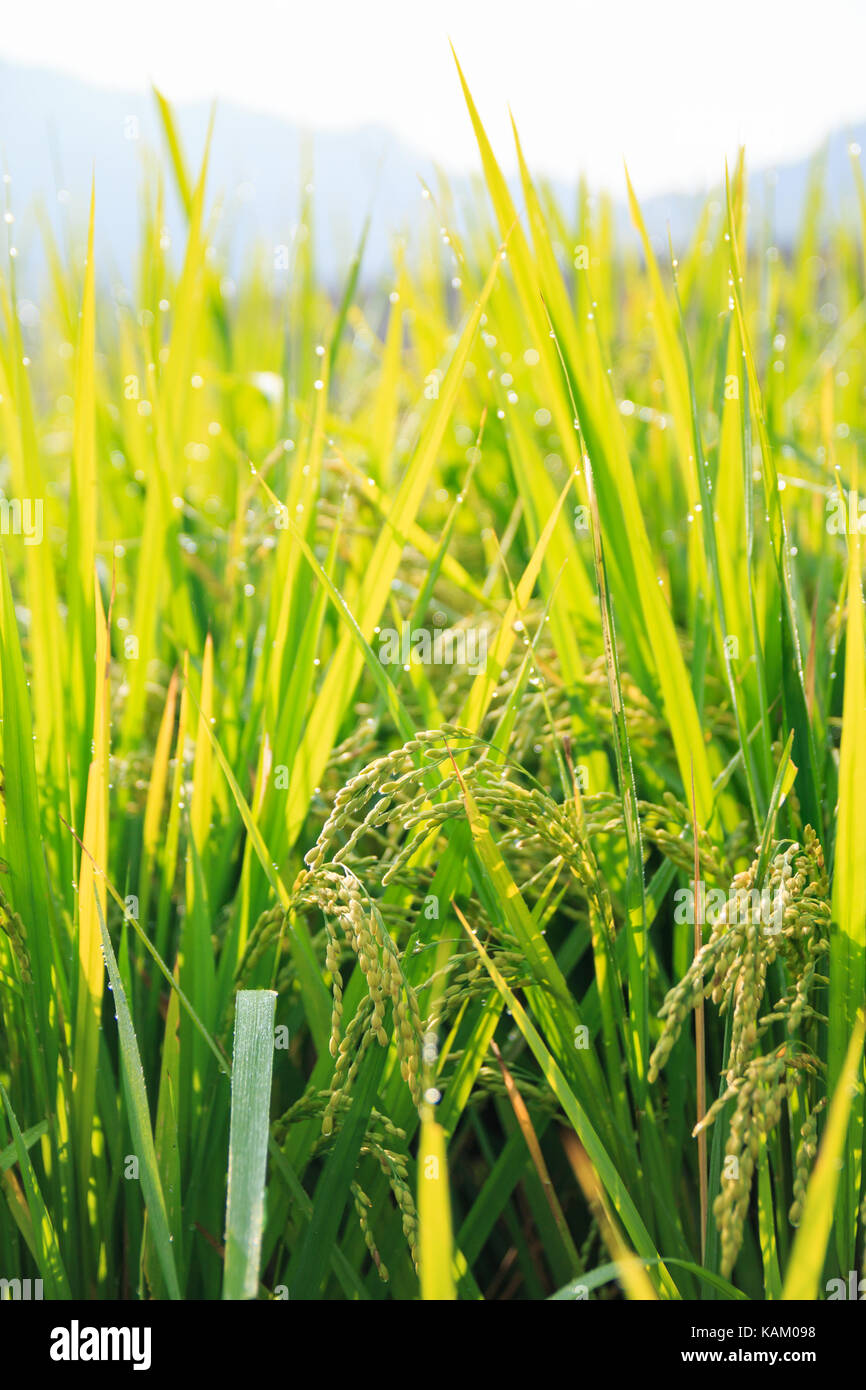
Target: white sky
{"x":671,"y":85}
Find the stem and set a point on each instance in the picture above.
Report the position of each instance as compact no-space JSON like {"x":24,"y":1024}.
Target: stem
{"x":700,"y":1038}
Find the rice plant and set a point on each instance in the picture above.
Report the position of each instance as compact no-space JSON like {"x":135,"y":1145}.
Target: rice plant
{"x":433,"y":739}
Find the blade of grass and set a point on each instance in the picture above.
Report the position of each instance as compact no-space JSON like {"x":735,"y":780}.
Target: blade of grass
{"x":810,"y":1243}
{"x":610,"y":1178}
{"x":435,"y":1241}
{"x":46,"y":1248}
{"x":252,"y":1069}
{"x":138,"y":1114}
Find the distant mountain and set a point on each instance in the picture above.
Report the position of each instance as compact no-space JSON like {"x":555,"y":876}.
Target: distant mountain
{"x":55,"y":130}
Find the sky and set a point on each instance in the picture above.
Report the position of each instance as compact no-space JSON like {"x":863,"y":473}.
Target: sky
{"x":672,"y":86}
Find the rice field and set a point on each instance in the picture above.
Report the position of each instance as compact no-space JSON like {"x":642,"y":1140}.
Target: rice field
{"x":432,"y":860}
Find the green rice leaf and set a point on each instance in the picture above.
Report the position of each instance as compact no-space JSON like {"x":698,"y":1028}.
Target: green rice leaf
{"x":252,"y":1069}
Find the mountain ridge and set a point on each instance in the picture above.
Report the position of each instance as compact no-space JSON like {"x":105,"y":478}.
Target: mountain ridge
{"x":56,"y":130}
